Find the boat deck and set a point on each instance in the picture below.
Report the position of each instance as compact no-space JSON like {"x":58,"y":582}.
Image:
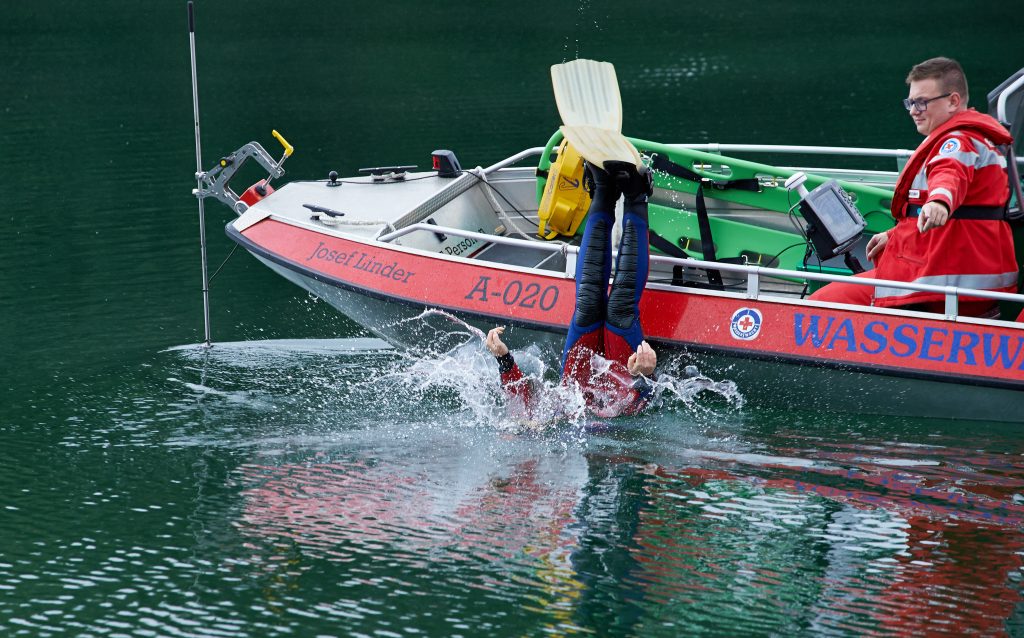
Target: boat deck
{"x":366,"y":212}
{"x":491,"y":215}
{"x":501,"y":203}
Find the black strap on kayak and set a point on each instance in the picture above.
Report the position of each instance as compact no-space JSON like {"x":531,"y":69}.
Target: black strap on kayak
{"x":666,"y":246}
{"x":665,"y":165}
{"x":707,"y":244}
{"x":671,"y":250}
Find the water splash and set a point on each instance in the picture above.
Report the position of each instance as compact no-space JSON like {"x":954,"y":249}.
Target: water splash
{"x":274,"y":350}
{"x":327,"y":387}
{"x":467,"y":375}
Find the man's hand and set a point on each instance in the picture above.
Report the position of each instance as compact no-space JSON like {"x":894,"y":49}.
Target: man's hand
{"x":642,"y":361}
{"x":933,"y":215}
{"x":494,"y":343}
{"x":876,"y":245}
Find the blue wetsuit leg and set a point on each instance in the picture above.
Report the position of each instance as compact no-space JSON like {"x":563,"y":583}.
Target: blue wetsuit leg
{"x":631,"y":268}
{"x":593,"y":269}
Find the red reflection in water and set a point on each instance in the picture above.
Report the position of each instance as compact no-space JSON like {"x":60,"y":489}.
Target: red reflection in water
{"x":960,"y":542}
{"x":344,"y":509}
{"x":940,"y":560}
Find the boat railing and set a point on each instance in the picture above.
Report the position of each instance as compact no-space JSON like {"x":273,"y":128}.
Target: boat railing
{"x":784,"y":149}
{"x":515,"y":159}
{"x":472,"y":177}
{"x":1004,"y":95}
{"x":483,"y":237}
{"x":719,"y":149}
{"x":469,"y":179}
{"x":754,"y":274}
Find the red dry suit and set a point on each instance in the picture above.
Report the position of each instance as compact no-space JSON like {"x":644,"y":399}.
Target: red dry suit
{"x":605,"y":327}
{"x":608,"y":393}
{"x":959,"y":166}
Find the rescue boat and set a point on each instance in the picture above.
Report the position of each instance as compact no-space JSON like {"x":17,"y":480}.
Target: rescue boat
{"x":733,"y":260}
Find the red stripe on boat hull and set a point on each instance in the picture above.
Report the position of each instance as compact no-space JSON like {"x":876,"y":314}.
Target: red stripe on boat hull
{"x":474,"y":287}
{"x":891,"y":344}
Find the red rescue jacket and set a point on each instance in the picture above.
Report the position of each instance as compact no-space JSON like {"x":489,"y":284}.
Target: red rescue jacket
{"x":958,"y":165}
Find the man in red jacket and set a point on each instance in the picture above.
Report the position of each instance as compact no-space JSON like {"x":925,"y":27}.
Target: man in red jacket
{"x":949,"y":205}
{"x":605,"y":353}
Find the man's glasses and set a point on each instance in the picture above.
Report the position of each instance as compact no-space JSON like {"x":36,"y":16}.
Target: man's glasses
{"x":921,"y":104}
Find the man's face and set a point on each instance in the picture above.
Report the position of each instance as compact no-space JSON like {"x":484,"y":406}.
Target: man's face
{"x":937,"y":112}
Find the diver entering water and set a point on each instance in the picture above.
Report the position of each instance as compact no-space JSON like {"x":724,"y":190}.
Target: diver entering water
{"x":605,"y":353}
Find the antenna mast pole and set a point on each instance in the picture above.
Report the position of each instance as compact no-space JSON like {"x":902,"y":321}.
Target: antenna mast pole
{"x":199,"y":173}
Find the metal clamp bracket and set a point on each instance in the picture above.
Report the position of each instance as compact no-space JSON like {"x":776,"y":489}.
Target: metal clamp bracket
{"x":215,"y":182}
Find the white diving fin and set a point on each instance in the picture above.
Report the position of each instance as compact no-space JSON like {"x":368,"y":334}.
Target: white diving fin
{"x":587,"y":95}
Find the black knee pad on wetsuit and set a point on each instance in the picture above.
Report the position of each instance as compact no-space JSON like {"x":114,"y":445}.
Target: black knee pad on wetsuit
{"x":621,"y":307}
{"x":590,"y":289}
{"x":592,"y":281}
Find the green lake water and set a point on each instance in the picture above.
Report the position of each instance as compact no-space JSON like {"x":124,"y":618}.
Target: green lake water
{"x":305,"y":481}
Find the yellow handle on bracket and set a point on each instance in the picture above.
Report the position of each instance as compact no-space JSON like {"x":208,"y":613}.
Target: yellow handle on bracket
{"x":288,"y":148}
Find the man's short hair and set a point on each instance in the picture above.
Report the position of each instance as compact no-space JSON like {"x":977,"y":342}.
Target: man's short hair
{"x":947,"y":71}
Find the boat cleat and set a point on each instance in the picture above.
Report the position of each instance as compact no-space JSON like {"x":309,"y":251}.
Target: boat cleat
{"x":384,"y":173}
{"x":323,"y":214}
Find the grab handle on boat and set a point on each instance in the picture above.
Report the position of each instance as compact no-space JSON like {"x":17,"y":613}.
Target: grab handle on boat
{"x":288,"y":148}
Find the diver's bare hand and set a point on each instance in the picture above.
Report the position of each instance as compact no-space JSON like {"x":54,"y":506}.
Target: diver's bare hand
{"x":643,"y":361}
{"x":494,"y":343}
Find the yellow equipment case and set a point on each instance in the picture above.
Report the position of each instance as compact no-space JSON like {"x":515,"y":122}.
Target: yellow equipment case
{"x":565,"y":201}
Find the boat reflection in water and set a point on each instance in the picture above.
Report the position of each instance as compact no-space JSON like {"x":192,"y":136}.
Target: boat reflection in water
{"x":907,"y":541}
